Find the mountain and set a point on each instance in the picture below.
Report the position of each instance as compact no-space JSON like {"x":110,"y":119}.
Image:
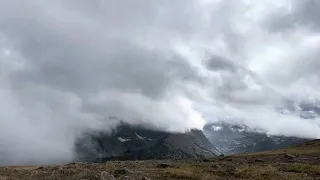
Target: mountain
{"x":233,"y":139}
{"x":138,"y":143}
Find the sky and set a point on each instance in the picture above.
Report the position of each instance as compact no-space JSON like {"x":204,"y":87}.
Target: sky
{"x":73,"y":66}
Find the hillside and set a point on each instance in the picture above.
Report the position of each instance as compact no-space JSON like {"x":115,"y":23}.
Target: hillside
{"x":300,"y":162}
{"x":129,"y":142}
{"x":310,"y":148}
{"x":235,"y":139}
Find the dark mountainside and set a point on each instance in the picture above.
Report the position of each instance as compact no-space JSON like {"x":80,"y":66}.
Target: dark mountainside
{"x":233,"y":139}
{"x":138,"y":143}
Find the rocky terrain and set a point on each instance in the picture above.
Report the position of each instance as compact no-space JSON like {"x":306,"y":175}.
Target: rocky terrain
{"x":234,"y":139}
{"x":300,"y":162}
{"x":138,"y":143}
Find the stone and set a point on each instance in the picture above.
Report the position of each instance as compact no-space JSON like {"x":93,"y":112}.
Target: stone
{"x":215,"y":166}
{"x":40,"y":168}
{"x":230,"y":169}
{"x":206,"y":160}
{"x":107,"y":176}
{"x":122,"y":171}
{"x":163,"y":165}
{"x":258,"y":160}
{"x":289,"y":156}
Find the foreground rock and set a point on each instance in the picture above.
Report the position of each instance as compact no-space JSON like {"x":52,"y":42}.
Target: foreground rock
{"x":107,"y":176}
{"x":289,"y":156}
{"x":163,"y":165}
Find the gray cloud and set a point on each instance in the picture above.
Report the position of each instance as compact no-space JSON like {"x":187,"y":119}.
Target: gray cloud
{"x":301,"y":14}
{"x":68,"y":67}
{"x":220,"y":63}
{"x":110,"y":69}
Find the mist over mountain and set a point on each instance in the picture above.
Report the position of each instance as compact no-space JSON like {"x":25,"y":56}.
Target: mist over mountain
{"x":68,"y":68}
{"x":128,"y":142}
{"x":231,"y":139}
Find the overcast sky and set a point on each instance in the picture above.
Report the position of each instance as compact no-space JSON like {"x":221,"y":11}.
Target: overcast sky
{"x":71,"y":66}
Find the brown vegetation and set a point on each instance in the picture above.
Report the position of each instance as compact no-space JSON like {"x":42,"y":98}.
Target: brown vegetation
{"x":297,"y":163}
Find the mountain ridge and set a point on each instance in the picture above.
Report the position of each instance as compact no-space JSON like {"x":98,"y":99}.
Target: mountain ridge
{"x":129,"y":142}
{"x":234,"y":139}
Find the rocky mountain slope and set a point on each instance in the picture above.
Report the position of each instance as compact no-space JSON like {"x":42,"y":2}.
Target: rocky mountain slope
{"x":138,"y":143}
{"x":233,"y":139}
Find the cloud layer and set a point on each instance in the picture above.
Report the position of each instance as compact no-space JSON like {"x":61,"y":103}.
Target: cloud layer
{"x":67,"y":67}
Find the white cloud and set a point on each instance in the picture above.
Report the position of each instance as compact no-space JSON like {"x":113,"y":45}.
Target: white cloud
{"x":72,"y":66}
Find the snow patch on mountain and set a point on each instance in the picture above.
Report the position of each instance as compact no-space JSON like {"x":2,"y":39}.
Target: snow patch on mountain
{"x":123,"y":139}
{"x":217,"y":128}
{"x":139,"y":137}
